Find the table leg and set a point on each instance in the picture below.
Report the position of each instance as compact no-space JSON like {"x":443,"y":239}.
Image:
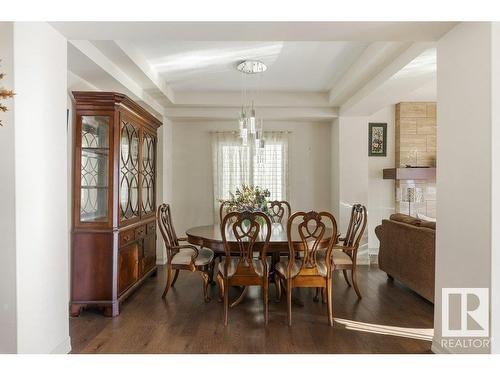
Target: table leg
{"x":241,"y":297}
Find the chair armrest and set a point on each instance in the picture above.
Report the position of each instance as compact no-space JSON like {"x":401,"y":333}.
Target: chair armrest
{"x":195,"y":255}
{"x":345,"y":248}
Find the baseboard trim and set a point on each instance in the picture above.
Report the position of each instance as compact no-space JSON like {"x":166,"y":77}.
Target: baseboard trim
{"x":363,"y":257}
{"x":63,"y":348}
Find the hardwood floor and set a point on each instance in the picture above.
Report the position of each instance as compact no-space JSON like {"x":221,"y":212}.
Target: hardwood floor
{"x":185,"y":324}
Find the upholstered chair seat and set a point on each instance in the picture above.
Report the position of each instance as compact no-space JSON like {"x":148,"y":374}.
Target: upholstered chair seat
{"x":184,"y":257}
{"x":233,"y":263}
{"x":338,"y":257}
{"x":282,"y":267}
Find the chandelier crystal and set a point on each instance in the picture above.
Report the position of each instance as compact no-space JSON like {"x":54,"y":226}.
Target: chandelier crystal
{"x":250,"y":127}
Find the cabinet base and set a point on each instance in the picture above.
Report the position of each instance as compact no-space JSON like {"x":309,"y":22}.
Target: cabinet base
{"x":110,"y":308}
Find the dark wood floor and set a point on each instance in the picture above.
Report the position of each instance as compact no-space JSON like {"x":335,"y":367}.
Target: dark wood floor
{"x":185,"y":324}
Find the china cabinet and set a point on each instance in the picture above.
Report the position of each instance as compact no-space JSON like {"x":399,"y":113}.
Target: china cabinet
{"x":114,"y":186}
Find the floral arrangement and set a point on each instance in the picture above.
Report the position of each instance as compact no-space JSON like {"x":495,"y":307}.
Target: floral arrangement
{"x":4,"y":94}
{"x":248,"y":198}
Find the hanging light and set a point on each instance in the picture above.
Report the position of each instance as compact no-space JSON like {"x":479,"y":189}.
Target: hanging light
{"x":250,"y":128}
{"x":242,"y":122}
{"x":244,"y":138}
{"x":252,"y":120}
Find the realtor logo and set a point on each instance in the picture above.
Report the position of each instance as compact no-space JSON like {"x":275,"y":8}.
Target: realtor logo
{"x":465,"y":312}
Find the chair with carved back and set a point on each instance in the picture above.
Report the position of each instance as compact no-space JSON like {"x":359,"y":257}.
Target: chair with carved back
{"x":345,"y":252}
{"x":223,"y":210}
{"x":277,"y":210}
{"x":183,"y":257}
{"x":239,"y":231}
{"x":309,"y":271}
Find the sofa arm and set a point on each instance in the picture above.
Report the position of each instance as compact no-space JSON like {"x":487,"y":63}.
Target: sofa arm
{"x":378,"y":232}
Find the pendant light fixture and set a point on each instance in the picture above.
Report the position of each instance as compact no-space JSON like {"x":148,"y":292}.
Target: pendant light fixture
{"x":250,"y":127}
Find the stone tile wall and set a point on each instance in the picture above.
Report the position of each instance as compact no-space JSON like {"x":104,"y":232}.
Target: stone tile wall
{"x":416,"y":130}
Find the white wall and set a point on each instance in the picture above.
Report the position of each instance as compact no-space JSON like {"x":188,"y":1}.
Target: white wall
{"x":381,"y":193}
{"x":309,"y":168}
{"x":164,"y":181}
{"x":464,"y":176}
{"x":42,"y":228}
{"x":349,"y":168}
{"x":8,"y":336}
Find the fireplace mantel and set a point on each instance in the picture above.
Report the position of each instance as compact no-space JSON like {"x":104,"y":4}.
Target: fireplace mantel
{"x":410,"y":174}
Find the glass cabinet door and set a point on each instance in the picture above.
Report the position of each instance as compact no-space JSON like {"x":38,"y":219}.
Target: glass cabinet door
{"x":148,"y":174}
{"x":94,"y":168}
{"x":129,"y":171}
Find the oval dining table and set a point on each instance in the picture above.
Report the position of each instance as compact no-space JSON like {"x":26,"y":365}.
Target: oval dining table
{"x":209,"y":236}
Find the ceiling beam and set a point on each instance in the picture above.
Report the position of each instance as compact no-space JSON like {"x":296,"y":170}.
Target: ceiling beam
{"x":371,"y":61}
{"x":152,"y":75}
{"x":267,"y":113}
{"x":263,"y":99}
{"x":390,"y":70}
{"x":255,"y":31}
{"x":92,"y":55}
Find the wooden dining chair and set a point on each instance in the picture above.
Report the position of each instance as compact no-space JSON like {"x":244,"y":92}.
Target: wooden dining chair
{"x":277,"y":211}
{"x":346,"y":250}
{"x":183,"y":257}
{"x":244,"y":229}
{"x":223,"y":210}
{"x":309,"y":271}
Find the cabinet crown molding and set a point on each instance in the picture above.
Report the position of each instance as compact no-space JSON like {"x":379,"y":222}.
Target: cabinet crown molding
{"x":108,"y":100}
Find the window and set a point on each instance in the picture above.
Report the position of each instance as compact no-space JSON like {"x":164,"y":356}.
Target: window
{"x":268,"y":170}
{"x":235,"y":165}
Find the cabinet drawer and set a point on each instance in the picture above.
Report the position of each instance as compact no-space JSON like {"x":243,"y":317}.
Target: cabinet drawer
{"x":140,"y":231}
{"x":151,"y":228}
{"x":126,"y":237}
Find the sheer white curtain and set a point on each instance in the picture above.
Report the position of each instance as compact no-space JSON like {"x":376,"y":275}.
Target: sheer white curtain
{"x":234,"y":165}
{"x":231,"y":166}
{"x":270,"y":168}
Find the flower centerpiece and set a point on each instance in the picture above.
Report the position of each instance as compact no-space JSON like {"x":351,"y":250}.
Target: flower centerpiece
{"x":248,"y":198}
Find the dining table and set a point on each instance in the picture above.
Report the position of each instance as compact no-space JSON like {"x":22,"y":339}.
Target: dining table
{"x":209,"y":236}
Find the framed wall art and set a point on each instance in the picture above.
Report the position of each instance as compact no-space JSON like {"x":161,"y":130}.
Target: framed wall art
{"x":377,"y":139}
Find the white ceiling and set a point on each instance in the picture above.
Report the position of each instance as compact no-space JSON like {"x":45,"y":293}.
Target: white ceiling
{"x":211,"y":66}
{"x":351,"y":66}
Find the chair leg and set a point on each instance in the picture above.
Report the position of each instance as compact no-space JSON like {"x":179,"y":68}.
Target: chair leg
{"x":266,"y":300}
{"x":289,"y":301}
{"x":329,"y":301}
{"x":206,"y":280}
{"x":175,"y":277}
{"x":220,"y":281}
{"x":345,"y":277}
{"x":277,"y":283}
{"x":212,"y":270}
{"x":226,"y":303}
{"x":169,"y":281}
{"x":316,"y":296}
{"x":323,"y":295}
{"x":355,"y":283}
